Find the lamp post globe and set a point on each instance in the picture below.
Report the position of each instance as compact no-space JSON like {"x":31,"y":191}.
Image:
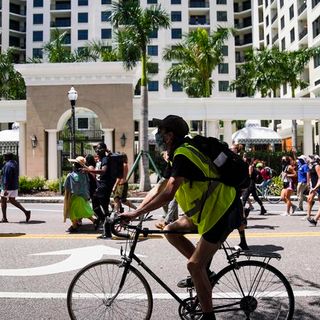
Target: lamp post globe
{"x":73,"y":96}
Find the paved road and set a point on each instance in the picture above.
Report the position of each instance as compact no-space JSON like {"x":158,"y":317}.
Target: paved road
{"x":38,"y":260}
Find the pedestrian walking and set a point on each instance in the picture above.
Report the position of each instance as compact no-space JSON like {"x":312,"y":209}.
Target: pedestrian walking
{"x":302,"y":186}
{"x":10,"y":186}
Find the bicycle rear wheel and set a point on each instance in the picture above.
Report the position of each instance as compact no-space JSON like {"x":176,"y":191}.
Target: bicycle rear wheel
{"x":252,"y":290}
{"x":273,"y":193}
{"x":95,"y":293}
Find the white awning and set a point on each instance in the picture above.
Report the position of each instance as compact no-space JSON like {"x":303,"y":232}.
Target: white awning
{"x":9,"y":135}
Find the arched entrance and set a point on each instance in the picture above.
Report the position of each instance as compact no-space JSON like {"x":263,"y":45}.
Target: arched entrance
{"x":108,"y":95}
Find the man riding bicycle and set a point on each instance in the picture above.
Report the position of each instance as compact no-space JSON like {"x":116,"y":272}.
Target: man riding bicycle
{"x":211,"y":207}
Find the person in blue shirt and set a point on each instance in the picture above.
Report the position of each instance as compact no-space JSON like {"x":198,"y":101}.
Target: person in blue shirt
{"x":10,"y":186}
{"x":303,"y":170}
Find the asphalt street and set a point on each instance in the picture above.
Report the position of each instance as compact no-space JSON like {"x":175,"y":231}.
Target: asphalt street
{"x":39,"y":259}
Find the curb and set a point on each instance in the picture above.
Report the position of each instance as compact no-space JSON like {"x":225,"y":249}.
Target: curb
{"x":59,"y":199}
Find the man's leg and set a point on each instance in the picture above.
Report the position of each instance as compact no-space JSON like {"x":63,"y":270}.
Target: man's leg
{"x":179,"y":241}
{"x":19,"y":206}
{"x":4,"y":208}
{"x":197,"y":263}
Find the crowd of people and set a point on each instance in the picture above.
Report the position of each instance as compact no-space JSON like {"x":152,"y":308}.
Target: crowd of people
{"x":299,"y":175}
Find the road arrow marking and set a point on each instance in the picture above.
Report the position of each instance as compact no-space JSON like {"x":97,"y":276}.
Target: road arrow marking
{"x":79,"y":257}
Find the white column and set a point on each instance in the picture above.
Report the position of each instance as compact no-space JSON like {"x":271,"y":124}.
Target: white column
{"x":108,"y":138}
{"x":213,"y":128}
{"x":227,"y":128}
{"x":52,"y":154}
{"x":307,"y":137}
{"x":22,"y":149}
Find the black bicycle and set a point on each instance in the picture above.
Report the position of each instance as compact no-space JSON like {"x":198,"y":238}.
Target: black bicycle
{"x":247,"y":288}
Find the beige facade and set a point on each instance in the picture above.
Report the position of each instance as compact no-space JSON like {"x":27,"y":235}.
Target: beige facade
{"x":109,"y":95}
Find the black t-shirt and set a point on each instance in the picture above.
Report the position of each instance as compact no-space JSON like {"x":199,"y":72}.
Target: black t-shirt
{"x":106,"y":179}
{"x":183,"y":167}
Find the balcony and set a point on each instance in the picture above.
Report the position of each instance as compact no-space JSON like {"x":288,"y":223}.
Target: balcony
{"x":198,"y":20}
{"x":61,"y":23}
{"x":245,"y":6}
{"x":242,"y":42}
{"x":198,"y":4}
{"x":275,"y":38}
{"x":274,"y":18}
{"x":241,"y":25}
{"x":239,"y":59}
{"x":61,"y":6}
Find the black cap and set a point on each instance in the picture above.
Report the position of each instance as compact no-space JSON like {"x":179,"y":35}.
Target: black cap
{"x":173,"y":124}
{"x":101,"y":145}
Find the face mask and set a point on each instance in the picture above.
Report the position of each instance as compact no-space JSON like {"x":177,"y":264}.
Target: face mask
{"x":161,"y":145}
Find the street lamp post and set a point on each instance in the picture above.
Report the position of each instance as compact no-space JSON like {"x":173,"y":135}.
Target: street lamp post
{"x":73,"y":96}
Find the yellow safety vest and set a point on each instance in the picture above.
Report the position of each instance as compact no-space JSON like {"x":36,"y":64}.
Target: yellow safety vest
{"x":205,"y":202}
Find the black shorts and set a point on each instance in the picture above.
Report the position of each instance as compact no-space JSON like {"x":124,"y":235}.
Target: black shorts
{"x":228,"y":222}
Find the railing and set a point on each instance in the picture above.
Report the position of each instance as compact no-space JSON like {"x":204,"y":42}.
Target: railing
{"x":242,"y":42}
{"x":303,"y":33}
{"x":61,"y":6}
{"x":59,"y":24}
{"x":245,"y":6}
{"x":302,"y":8}
{"x":241,"y":25}
{"x":274,"y":18}
{"x":240,"y":59}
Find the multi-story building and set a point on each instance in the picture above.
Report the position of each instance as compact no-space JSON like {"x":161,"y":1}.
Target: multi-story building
{"x":290,"y":24}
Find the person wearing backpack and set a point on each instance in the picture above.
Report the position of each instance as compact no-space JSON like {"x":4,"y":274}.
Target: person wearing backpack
{"x":253,"y":173}
{"x":210,"y":206}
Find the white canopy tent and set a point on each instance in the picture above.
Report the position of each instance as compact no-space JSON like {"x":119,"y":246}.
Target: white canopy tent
{"x":253,"y":133}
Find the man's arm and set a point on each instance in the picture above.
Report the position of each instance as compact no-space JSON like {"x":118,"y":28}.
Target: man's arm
{"x":157,"y":198}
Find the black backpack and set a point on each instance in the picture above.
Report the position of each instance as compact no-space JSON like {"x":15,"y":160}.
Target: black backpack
{"x":231,"y":167}
{"x":115,"y":161}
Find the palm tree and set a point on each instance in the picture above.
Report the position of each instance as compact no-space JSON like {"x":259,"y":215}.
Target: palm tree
{"x":293,"y":65}
{"x":12,"y":85}
{"x":196,"y":57}
{"x":135,"y":27}
{"x":58,"y":52}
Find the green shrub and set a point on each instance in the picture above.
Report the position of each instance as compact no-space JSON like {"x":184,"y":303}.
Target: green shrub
{"x":38,"y":183}
{"x":25,"y":184}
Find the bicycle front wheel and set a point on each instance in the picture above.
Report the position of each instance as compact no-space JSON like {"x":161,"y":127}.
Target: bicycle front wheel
{"x":273,"y":193}
{"x":252,"y":290}
{"x":95,"y":293}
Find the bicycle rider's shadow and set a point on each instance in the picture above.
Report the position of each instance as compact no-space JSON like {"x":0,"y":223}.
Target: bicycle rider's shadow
{"x":265,"y":248}
{"x":32,"y":222}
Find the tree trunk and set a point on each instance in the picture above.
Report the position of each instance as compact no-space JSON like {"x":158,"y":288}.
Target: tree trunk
{"x":145,"y":184}
{"x":294,"y":126}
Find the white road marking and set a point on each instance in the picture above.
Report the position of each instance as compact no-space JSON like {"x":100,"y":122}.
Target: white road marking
{"x":156,"y":296}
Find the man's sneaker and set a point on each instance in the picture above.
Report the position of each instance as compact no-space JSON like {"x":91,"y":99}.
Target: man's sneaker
{"x":188,"y":283}
{"x":312,"y":221}
{"x":251,"y":208}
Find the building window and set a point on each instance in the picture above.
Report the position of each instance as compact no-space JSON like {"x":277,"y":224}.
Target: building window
{"x":176,"y":87}
{"x":37,"y":36}
{"x":266,"y":3}
{"x":267,"y":20}
{"x":176,"y":16}
{"x":281,"y":3}
{"x":292,"y":35}
{"x":82,"y":2}
{"x":221,"y":1}
{"x":223,"y":68}
{"x":153,"y":50}
{"x":176,"y":33}
{"x":83,"y":34}
{"x":152,"y":1}
{"x":38,"y":18}
{"x":316,"y":27}
{"x":153,"y":34}
{"x":37,"y":53}
{"x":153,"y":67}
{"x":105,"y":16}
{"x":37,"y":3}
{"x":105,"y":1}
{"x":222,"y":16}
{"x":223,"y":86}
{"x":106,"y":33}
{"x":282,"y":22}
{"x":316,"y":61}
{"x":315,"y":2}
{"x":291,"y":12}
{"x":83,"y":17}
{"x":175,"y":1}
{"x":268,"y":39}
{"x":153,"y":85}
{"x":283,"y":44}
{"x":225,"y":51}
{"x":83,"y":123}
